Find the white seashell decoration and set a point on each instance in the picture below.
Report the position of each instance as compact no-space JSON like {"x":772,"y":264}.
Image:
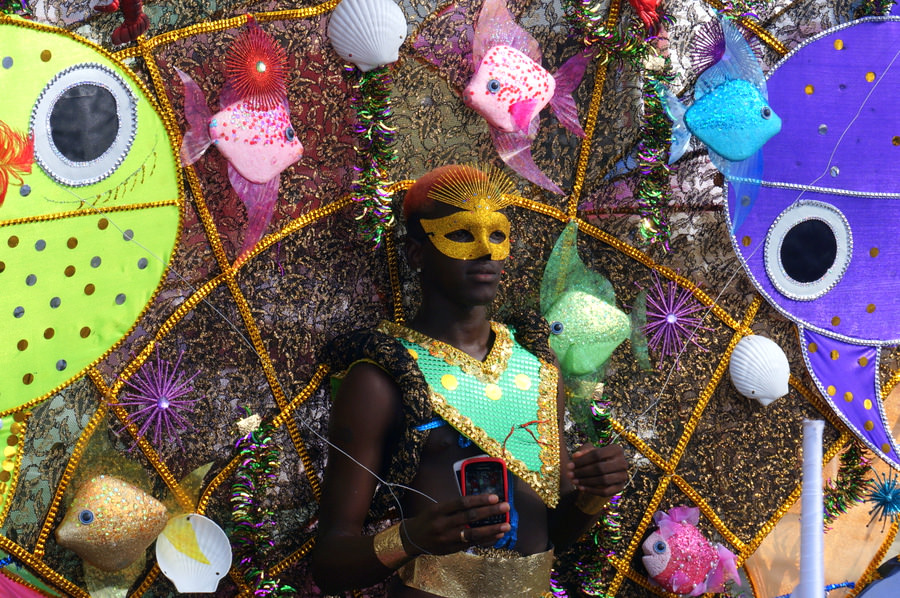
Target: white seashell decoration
{"x":367,"y":33}
{"x":759,"y":369}
{"x":194,"y":553}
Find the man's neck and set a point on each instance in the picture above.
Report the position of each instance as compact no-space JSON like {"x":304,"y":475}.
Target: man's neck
{"x":469,"y":330}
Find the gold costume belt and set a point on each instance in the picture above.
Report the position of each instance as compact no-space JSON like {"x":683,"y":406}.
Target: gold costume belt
{"x":466,"y":575}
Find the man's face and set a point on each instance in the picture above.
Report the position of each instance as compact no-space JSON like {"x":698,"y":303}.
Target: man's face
{"x":474,"y":279}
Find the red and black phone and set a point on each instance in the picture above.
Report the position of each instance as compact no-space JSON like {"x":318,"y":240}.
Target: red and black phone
{"x":484,"y":475}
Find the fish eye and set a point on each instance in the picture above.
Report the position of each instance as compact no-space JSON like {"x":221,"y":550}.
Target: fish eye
{"x":493,"y":86}
{"x":766,"y":112}
{"x":78,"y":150}
{"x":86,"y":516}
{"x":660,"y":547}
{"x":289,"y":134}
{"x":808,"y":249}
{"x":556,"y":327}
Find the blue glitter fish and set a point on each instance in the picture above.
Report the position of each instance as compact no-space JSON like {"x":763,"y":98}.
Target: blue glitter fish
{"x":730,"y":115}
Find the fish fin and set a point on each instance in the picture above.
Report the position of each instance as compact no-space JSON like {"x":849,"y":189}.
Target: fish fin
{"x":111,"y":7}
{"x":678,"y":579}
{"x":259,"y":199}
{"x":515,"y":150}
{"x":521,"y":113}
{"x":738,"y":62}
{"x":197,"y":115}
{"x":228,"y":95}
{"x":699,"y":589}
{"x":668,"y":527}
{"x":568,"y":77}
{"x":675,"y":110}
{"x":496,"y":27}
{"x":846,"y":375}
{"x":445,"y":42}
{"x":683,"y":514}
{"x":725,"y":569}
{"x":745,"y":177}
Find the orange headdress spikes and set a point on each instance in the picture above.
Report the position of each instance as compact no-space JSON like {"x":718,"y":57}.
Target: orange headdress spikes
{"x":16,"y":157}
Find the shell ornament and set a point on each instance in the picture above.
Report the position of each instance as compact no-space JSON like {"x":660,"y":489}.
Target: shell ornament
{"x":759,"y":369}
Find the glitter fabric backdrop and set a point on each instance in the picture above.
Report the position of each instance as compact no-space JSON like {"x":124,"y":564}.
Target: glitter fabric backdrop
{"x":252,"y":328}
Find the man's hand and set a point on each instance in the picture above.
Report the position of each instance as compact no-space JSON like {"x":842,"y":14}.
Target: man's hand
{"x":443,"y":527}
{"x":601,"y":471}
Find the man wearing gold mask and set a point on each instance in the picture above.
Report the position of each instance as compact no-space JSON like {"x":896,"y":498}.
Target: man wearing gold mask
{"x":414,"y":402}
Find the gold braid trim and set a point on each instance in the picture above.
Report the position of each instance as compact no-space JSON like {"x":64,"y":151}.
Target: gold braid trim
{"x":390,"y":247}
{"x":642,"y":446}
{"x":293,"y":558}
{"x":591,"y":122}
{"x":93,"y":211}
{"x":9,"y":488}
{"x":38,"y":566}
{"x":889,"y":385}
{"x":817,"y":402}
{"x":151,"y":576}
{"x":871,"y":571}
{"x":308,"y":465}
{"x":753,"y":26}
{"x":709,"y":513}
{"x":231,"y":23}
{"x":25,"y":583}
{"x":66,"y":478}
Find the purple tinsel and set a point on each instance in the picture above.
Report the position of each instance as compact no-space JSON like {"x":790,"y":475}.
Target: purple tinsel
{"x":670,"y":320}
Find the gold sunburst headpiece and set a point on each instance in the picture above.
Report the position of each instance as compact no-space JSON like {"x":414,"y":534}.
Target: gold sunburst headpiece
{"x":479,"y":193}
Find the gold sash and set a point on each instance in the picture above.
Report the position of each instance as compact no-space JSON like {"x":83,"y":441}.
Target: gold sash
{"x":466,"y":575}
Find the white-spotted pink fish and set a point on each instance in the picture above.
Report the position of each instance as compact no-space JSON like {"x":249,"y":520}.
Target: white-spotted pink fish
{"x":253,"y":130}
{"x":505,"y":81}
{"x":681,"y":560}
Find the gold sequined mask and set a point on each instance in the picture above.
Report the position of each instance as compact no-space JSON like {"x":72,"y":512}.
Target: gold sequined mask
{"x":479,"y":195}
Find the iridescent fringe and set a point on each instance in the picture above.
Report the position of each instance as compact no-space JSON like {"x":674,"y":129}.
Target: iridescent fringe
{"x":16,"y":7}
{"x":372,"y":103}
{"x":873,"y":8}
{"x":252,"y":521}
{"x":850,"y":484}
{"x":587,"y":19}
{"x":586,"y":569}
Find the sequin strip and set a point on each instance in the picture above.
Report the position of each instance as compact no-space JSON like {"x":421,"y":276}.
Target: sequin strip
{"x":293,"y":558}
{"x":8,"y":488}
{"x":390,"y":247}
{"x":151,"y":576}
{"x":871,"y":571}
{"x":92,"y":212}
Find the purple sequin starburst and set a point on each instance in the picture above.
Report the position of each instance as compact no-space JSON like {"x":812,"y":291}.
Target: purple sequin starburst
{"x":157,"y":390}
{"x":671,"y":322}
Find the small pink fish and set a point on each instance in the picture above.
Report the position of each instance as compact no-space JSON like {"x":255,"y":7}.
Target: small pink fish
{"x":510,"y":88}
{"x":253,"y":130}
{"x":681,"y":560}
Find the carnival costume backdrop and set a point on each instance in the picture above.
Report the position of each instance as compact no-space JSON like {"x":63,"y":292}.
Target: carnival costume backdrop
{"x":164,"y":306}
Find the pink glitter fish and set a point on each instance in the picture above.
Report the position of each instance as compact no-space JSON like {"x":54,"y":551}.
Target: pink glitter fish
{"x":681,"y":560}
{"x":509,"y":87}
{"x":253,"y":130}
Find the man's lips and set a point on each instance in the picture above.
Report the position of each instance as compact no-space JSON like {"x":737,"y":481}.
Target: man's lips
{"x":483,"y":273}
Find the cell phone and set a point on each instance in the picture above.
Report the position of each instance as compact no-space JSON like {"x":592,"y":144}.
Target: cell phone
{"x":485,"y":475}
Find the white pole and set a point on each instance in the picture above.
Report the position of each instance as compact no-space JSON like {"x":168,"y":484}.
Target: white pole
{"x":812,"y":522}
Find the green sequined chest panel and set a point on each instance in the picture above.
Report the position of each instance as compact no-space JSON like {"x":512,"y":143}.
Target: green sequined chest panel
{"x":506,"y":404}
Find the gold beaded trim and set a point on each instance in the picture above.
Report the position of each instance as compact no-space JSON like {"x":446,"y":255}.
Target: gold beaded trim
{"x":19,"y":429}
{"x":390,"y":247}
{"x":871,"y":571}
{"x":751,"y":25}
{"x":293,"y":558}
{"x":589,"y":125}
{"x":48,"y":574}
{"x":151,"y":576}
{"x":486,"y":371}
{"x":93,"y":212}
{"x":27,"y":584}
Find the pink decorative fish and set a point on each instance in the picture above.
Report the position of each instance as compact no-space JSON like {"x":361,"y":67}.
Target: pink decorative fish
{"x":253,"y":130}
{"x":681,"y":560}
{"x":510,"y":87}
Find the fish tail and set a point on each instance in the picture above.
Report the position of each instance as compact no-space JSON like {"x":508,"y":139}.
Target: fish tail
{"x":675,"y":110}
{"x":725,"y":569}
{"x":568,"y":77}
{"x":197,"y":115}
{"x":259,"y":199}
{"x":515,"y":150}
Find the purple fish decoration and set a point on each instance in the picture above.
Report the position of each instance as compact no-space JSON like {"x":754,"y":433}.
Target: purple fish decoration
{"x":820,"y":243}
{"x":508,"y":85}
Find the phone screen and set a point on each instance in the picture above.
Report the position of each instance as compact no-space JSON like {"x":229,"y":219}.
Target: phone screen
{"x":485,"y":475}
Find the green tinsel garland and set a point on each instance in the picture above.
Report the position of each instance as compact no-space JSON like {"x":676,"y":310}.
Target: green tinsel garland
{"x":585,"y":568}
{"x":16,"y":7}
{"x":372,"y":103}
{"x":850,"y":485}
{"x":252,"y":520}
{"x":873,"y":8}
{"x":586,"y":17}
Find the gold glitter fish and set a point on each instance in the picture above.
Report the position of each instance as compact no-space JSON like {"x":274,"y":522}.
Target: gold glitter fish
{"x":111,"y":523}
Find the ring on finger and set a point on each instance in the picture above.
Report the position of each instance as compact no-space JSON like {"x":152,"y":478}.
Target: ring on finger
{"x":462,"y":536}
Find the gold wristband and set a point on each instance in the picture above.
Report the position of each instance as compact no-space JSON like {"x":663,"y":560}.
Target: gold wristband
{"x":590,"y":504}
{"x":389,"y":547}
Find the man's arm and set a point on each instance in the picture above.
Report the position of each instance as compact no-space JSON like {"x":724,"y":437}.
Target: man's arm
{"x":365,"y":417}
{"x":589,"y":476}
